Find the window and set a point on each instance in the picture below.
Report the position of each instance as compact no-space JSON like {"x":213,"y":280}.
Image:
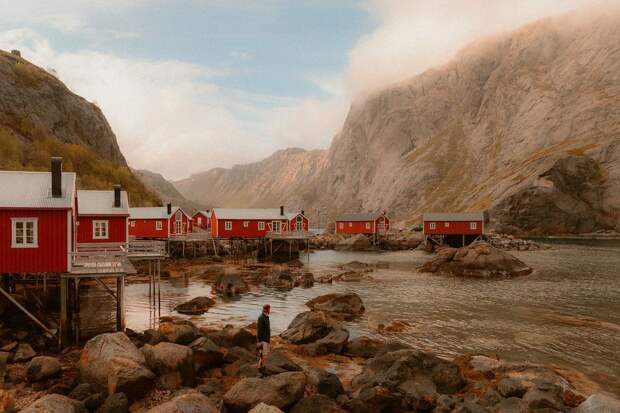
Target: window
{"x":368,"y":225}
{"x":228,"y":225}
{"x":341,"y":225}
{"x":246,"y":224}
{"x":432,"y":225}
{"x":199,"y":220}
{"x":261,"y":226}
{"x":473,"y":225}
{"x":350,"y":224}
{"x":100,"y":229}
{"x":25,"y":233}
{"x":158,"y":225}
{"x":446,"y":224}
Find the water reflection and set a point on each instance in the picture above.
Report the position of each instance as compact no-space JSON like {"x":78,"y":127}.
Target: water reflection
{"x":567,"y":313}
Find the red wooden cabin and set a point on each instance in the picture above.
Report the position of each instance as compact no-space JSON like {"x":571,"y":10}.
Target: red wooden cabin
{"x":255,"y":222}
{"x":102,"y":216}
{"x":158,"y":222}
{"x":202,"y":219}
{"x":462,"y":227}
{"x":36,"y":220}
{"x":364,"y":223}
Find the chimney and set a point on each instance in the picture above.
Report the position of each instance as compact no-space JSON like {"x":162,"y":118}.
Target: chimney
{"x":169,"y":206}
{"x":282,"y":210}
{"x":117,"y":196}
{"x":302,"y":212}
{"x":56,"y":177}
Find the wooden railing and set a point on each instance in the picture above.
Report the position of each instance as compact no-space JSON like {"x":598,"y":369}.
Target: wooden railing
{"x":146,"y":248}
{"x":98,"y":262}
{"x":289,"y":235}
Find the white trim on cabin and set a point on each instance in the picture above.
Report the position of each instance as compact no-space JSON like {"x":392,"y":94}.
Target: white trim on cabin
{"x":69,"y":239}
{"x":24,"y":224}
{"x":159,"y":225}
{"x":261,"y":225}
{"x":228,"y":225}
{"x":104,"y":229}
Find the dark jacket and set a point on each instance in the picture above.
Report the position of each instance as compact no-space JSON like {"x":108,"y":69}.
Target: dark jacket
{"x":263,"y":329}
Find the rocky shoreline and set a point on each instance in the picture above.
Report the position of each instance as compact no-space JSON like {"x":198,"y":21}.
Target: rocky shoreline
{"x":314,"y":366}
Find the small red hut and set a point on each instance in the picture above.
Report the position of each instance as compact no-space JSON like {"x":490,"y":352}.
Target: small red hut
{"x":102,"y":217}
{"x":464,"y":227}
{"x":158,"y":222}
{"x":255,"y":222}
{"x":202,"y":219}
{"x":36,"y":220}
{"x":364,"y":223}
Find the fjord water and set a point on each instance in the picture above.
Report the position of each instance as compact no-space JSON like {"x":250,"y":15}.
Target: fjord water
{"x":566,"y":314}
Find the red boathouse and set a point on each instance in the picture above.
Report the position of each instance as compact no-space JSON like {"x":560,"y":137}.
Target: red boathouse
{"x":158,"y":222}
{"x":102,"y":216}
{"x":36,"y":220}
{"x":460,"y":228}
{"x":202,"y":219}
{"x":255,"y":222}
{"x":364,"y":223}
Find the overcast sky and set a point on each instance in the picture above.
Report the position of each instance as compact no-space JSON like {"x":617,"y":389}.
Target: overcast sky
{"x":189,"y":85}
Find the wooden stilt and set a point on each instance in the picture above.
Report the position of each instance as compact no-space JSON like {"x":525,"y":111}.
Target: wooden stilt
{"x":120,"y":303}
{"x":64,"y":312}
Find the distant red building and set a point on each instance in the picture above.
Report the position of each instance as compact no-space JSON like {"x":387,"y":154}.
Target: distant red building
{"x":202,"y":219}
{"x":102,"y":216}
{"x":364,"y":223}
{"x":158,"y":222}
{"x":36,"y":220}
{"x":255,"y":222}
{"x":463,"y":227}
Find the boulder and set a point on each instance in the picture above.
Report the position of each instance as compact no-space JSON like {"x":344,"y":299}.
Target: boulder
{"x":277,"y":362}
{"x":172,"y":363}
{"x":195,"y":306}
{"x":281,"y":279}
{"x":55,"y":403}
{"x":115,"y":403}
{"x":231,"y":336}
{"x":308,"y":327}
{"x":81,"y":392}
{"x":4,"y":358}
{"x":23,"y":352}
{"x":230,"y":284}
{"x":324,"y":382}
{"x":112,"y":363}
{"x":599,"y":403}
{"x":355,"y":243}
{"x":265,"y":408}
{"x":305,"y":280}
{"x":7,"y":403}
{"x":340,"y":305}
{"x":282,"y":391}
{"x":207,"y":354}
{"x":152,"y":337}
{"x":363,"y":347}
{"x":477,"y":260}
{"x":317,"y":403}
{"x":41,"y":368}
{"x":351,"y":276}
{"x":189,"y":402}
{"x":377,"y":399}
{"x":178,"y":331}
{"x":356,"y":266}
{"x":333,"y":343}
{"x":510,"y":387}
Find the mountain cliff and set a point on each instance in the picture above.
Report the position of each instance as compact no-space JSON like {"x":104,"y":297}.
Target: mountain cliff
{"x":40,"y":117}
{"x":473,"y":134}
{"x":165,"y":190}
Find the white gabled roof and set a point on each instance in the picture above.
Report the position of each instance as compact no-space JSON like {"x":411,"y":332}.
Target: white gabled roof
{"x":252,"y":213}
{"x":154,"y":212}
{"x":101,"y":203}
{"x":448,"y":216}
{"x":34,"y":190}
{"x":364,"y":216}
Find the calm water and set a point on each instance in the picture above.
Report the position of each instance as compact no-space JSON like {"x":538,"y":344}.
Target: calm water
{"x":567,"y":313}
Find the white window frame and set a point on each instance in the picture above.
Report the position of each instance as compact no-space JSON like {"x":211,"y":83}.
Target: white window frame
{"x":199,"y":221}
{"x":432,"y":225}
{"x":473,"y":225}
{"x":106,"y":226}
{"x":341,"y":225}
{"x":228,"y":225}
{"x":368,"y":225}
{"x":350,"y":225}
{"x":132,"y":224}
{"x":35,"y":233}
{"x":159,"y":225}
{"x":446,"y":224}
{"x":246,"y":224}
{"x":261,"y":226}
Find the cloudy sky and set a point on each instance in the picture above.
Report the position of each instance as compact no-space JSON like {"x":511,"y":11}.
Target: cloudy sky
{"x":189,"y":85}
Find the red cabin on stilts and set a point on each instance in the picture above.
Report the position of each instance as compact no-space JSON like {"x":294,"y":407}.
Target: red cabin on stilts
{"x":454,"y":228}
{"x":364,"y":223}
{"x":102,"y":217}
{"x":202,"y":219}
{"x":255,"y":222}
{"x":159,"y":222}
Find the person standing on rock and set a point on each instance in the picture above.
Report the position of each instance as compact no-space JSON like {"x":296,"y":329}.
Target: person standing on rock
{"x":263,"y":337}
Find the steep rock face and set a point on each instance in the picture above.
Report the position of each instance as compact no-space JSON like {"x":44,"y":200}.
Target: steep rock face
{"x":165,"y":190}
{"x":465,"y":135}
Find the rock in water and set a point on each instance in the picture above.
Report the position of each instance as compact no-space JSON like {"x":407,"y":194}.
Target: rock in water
{"x":355,"y":243}
{"x":55,"y":403}
{"x":112,"y":363}
{"x":308,"y":327}
{"x":478,"y":260}
{"x":230,"y":284}
{"x":282,"y":390}
{"x":340,"y":305}
{"x":195,"y":306}
{"x":190,"y":402}
{"x":41,"y":368}
{"x":173,"y":364}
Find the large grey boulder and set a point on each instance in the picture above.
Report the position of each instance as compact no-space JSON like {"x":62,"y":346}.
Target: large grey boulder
{"x":178,"y":331}
{"x":190,"y":402}
{"x":339,"y":305}
{"x":55,"y":403}
{"x":195,"y":306}
{"x":282,"y":391}
{"x":231,"y":336}
{"x":333,"y":343}
{"x":477,"y":260}
{"x":43,"y":367}
{"x":115,"y":403}
{"x":363,"y":346}
{"x":172,"y":363}
{"x":207,"y":354}
{"x":112,"y":363}
{"x":308,"y":327}
{"x":324,"y":382}
{"x":230,"y":284}
{"x":599,"y":403}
